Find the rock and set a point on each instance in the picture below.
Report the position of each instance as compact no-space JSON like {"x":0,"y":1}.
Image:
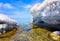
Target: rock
{"x":47,"y":14}
{"x":7,"y":26}
{"x":55,"y":35}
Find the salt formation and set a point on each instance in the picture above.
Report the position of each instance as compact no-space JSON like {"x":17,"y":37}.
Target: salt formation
{"x":7,"y":25}
{"x":47,"y":14}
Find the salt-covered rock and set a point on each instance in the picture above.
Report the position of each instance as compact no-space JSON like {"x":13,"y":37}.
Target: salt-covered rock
{"x":47,"y":14}
{"x":7,"y":25}
{"x":7,"y":19}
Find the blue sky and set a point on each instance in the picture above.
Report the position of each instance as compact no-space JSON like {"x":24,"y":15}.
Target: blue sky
{"x":18,"y":9}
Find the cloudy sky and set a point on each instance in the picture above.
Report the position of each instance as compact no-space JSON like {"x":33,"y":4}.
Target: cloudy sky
{"x":18,"y":9}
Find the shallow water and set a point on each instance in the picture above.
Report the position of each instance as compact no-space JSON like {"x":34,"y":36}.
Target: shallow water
{"x":26,"y":33}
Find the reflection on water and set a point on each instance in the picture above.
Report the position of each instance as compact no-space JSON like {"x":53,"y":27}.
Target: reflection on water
{"x":35,"y":34}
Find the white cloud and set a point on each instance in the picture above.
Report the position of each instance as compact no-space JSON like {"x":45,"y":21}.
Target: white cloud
{"x":16,"y":14}
{"x":1,"y":4}
{"x":27,"y":6}
{"x":1,"y":11}
{"x":20,"y":15}
{"x":6,"y":5}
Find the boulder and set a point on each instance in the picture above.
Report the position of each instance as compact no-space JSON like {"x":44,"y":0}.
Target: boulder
{"x":55,"y":35}
{"x":47,"y":14}
{"x":7,"y":26}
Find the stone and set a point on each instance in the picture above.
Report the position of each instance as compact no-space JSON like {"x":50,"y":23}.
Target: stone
{"x":7,"y":26}
{"x":55,"y":35}
{"x":47,"y":15}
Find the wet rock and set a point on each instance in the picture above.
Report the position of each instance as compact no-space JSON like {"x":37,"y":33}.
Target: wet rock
{"x":7,"y":26}
{"x":55,"y":35}
{"x":47,"y":14}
